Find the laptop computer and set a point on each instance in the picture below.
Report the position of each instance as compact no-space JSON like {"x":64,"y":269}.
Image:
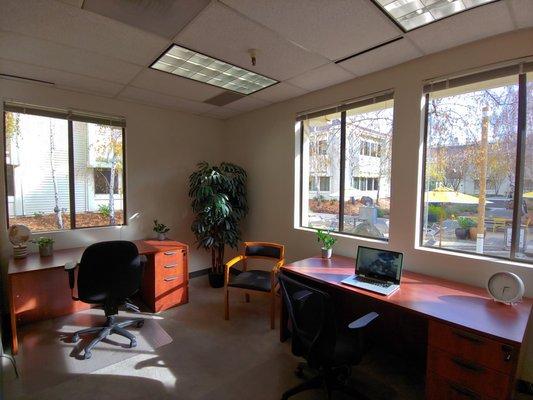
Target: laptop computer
{"x":377,"y":270}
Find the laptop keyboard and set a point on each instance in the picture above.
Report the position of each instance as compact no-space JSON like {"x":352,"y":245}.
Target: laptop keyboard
{"x":373,"y":282}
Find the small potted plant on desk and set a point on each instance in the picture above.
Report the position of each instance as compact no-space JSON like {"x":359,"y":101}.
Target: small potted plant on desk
{"x":161,"y":230}
{"x":46,"y":246}
{"x":327,"y":242}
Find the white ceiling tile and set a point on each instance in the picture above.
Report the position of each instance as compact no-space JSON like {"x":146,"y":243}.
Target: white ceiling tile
{"x":51,"y":55}
{"x":72,"y":26}
{"x":468,"y":26}
{"x":173,"y":85}
{"x":333,"y":28}
{"x":523,"y":12}
{"x":382,"y":57}
{"x":221,"y":32}
{"x":281,"y":91}
{"x":61,"y":79}
{"x":248,"y":103}
{"x":222,"y":112}
{"x":321,"y":77}
{"x":163,"y":17}
{"x":162,"y":100}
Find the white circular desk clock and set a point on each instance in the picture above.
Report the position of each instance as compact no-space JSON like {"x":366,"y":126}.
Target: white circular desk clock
{"x":506,"y":287}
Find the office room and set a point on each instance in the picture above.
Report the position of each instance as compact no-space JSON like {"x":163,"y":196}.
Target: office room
{"x":266,"y":199}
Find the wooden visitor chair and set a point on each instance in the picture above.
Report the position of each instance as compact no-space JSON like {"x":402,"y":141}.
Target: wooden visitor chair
{"x":257,"y":281}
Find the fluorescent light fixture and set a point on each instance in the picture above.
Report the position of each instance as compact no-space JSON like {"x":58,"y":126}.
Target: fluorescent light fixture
{"x":190,"y":64}
{"x":411,"y":14}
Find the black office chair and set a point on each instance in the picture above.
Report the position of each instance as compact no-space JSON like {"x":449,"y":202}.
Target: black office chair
{"x":109,"y":273}
{"x":330,"y":352}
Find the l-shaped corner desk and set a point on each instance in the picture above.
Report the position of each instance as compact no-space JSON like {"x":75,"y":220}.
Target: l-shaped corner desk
{"x":38,"y":286}
{"x":475,"y":345}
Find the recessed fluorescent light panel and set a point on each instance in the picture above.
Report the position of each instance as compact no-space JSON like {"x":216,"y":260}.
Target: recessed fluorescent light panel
{"x":187,"y":63}
{"x":411,"y":14}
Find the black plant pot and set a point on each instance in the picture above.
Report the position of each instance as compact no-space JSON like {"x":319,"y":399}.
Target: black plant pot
{"x":461,"y":233}
{"x":216,"y":280}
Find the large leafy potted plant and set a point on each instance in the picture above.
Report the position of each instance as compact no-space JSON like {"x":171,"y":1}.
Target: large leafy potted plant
{"x":218,"y":194}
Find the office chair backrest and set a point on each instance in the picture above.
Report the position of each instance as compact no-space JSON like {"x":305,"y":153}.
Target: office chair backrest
{"x":109,"y":271}
{"x":313,"y":323}
{"x":264,"y":250}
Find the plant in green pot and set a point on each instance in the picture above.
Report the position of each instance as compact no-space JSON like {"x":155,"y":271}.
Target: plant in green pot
{"x":327,"y":241}
{"x":218,"y":194}
{"x":46,"y":246}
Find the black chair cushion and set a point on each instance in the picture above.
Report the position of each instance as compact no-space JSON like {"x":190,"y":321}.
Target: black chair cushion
{"x":263,"y":251}
{"x":253,"y":280}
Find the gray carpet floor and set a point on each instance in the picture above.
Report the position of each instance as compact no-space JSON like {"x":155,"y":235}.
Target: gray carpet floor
{"x":208,"y":358}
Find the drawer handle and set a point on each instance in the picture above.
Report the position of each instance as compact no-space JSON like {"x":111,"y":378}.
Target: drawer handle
{"x":171,"y":278}
{"x":471,"y":338}
{"x":463,"y":391}
{"x":170,"y":266}
{"x":467,"y":365}
{"x":170,"y":253}
{"x":507,"y":352}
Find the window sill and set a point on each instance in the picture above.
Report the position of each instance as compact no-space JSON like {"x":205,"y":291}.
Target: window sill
{"x":347,"y":236}
{"x":478,"y":257}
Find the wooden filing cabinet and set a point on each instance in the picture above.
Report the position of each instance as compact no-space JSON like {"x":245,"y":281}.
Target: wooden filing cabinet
{"x":165,"y":280}
{"x":464,"y":365}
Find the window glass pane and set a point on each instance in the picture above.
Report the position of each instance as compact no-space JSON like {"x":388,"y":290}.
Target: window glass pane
{"x":525,"y":249}
{"x":98,"y":174}
{"x":320,"y":203}
{"x":471,"y":156}
{"x":37,"y":160}
{"x":368,"y":159}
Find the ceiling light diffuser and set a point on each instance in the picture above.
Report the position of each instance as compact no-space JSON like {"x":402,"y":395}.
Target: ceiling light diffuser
{"x":190,"y":64}
{"x":411,"y":14}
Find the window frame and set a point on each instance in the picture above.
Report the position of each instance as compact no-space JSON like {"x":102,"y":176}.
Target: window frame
{"x":383,"y":96}
{"x":513,"y":70}
{"x":70,"y":116}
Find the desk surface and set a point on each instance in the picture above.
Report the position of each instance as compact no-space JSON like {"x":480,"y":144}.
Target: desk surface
{"x":60,"y":257}
{"x":463,"y":305}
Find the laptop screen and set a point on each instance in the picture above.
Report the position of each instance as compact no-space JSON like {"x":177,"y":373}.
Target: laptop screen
{"x":379,"y":264}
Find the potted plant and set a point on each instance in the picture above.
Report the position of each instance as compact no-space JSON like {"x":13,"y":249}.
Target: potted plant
{"x":46,"y":246}
{"x":465,"y":224}
{"x":327,"y":242}
{"x":161,"y":230}
{"x":218,"y":194}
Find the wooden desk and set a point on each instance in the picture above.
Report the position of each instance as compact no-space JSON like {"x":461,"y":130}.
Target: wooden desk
{"x":38,"y":286}
{"x":474,"y":344}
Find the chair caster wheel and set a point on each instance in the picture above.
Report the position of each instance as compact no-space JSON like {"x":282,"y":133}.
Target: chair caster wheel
{"x":140,"y":324}
{"x":74,"y":338}
{"x":133,"y":343}
{"x":87,"y":355}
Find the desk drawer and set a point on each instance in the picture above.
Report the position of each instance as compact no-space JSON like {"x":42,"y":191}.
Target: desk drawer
{"x":479,"y":349}
{"x":468,"y":374}
{"x":439,"y":388}
{"x":169,"y":263}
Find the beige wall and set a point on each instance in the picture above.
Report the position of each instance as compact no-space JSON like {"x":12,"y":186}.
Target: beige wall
{"x":162,"y":149}
{"x":263,"y":142}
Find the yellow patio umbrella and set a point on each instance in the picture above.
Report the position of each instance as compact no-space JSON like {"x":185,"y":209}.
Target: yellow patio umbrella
{"x":447,"y":195}
{"x":528,"y":195}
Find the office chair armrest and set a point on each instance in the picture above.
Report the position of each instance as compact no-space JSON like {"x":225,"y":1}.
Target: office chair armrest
{"x":363,"y":321}
{"x":70,"y":268}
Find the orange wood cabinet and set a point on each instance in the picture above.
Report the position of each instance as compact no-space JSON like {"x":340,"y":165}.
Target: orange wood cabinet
{"x":38,"y":286}
{"x":468,"y":365}
{"x":165,"y":281}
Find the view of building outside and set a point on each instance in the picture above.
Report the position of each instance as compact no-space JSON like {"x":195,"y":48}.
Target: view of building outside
{"x":366,"y":202}
{"x":37,"y":166}
{"x":470,"y":169}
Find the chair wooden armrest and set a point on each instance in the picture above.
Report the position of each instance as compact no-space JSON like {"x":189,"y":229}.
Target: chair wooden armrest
{"x":230,"y":264}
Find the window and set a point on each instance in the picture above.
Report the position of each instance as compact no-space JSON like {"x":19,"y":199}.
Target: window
{"x":355,"y":168}
{"x":478,"y":165}
{"x":60,"y":167}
